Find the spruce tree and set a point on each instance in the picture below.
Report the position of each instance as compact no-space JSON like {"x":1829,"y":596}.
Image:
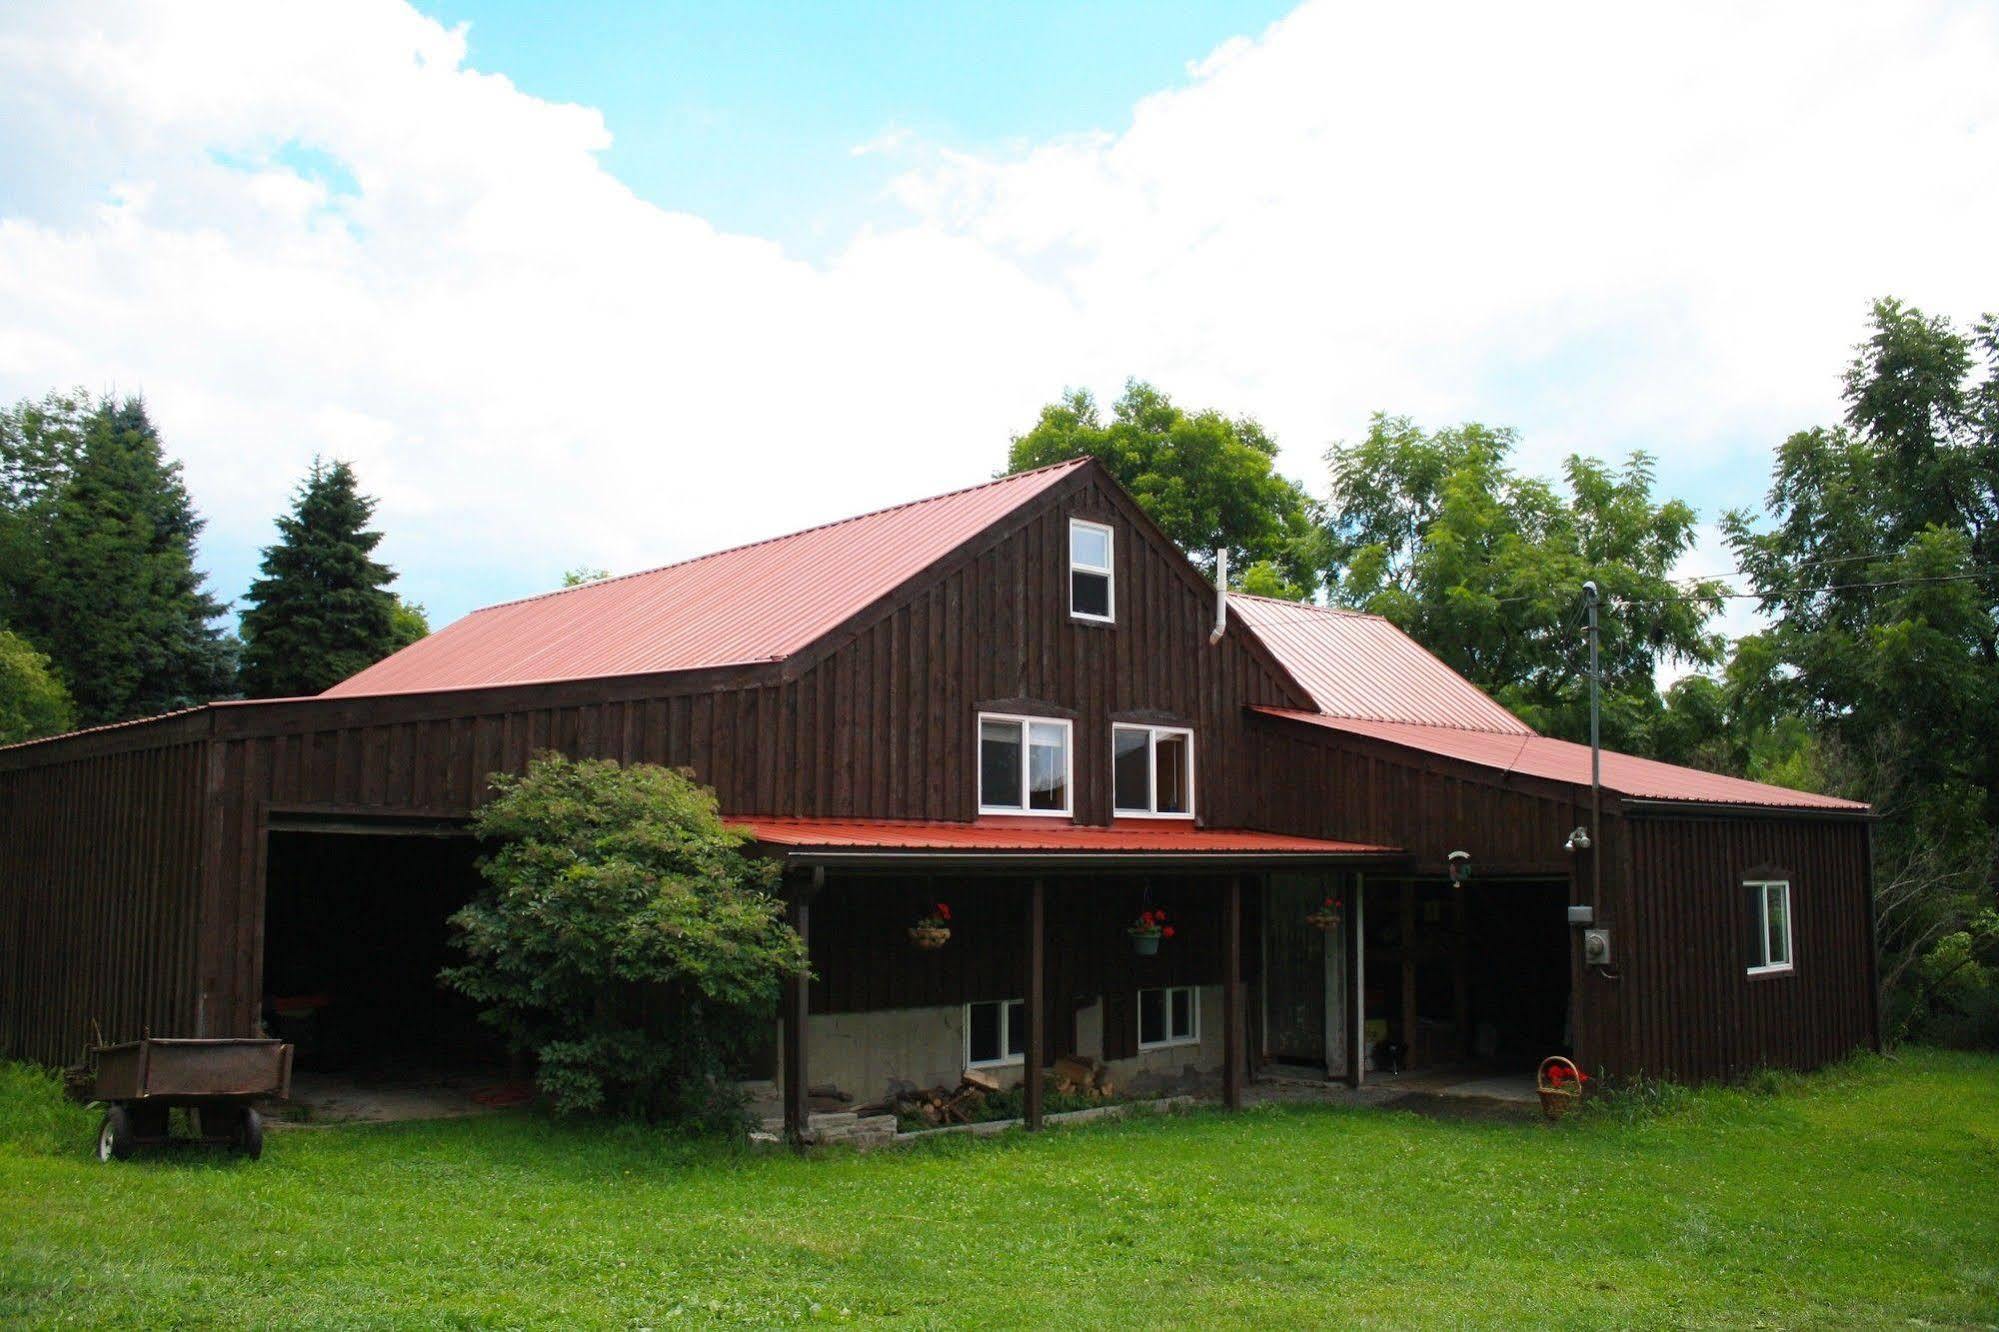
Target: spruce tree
{"x":322,"y":609}
{"x":115,"y":600}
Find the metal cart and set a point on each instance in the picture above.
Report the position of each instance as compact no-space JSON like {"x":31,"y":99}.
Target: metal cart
{"x":141,"y":1081}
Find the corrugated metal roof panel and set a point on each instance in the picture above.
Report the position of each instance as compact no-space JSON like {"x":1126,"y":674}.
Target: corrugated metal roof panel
{"x":754,"y":603}
{"x":1362,"y":666}
{"x":1562,"y":761}
{"x":898,"y":834}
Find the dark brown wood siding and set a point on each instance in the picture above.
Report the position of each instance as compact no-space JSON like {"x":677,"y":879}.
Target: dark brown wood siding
{"x":98,"y":906}
{"x":1690,"y":1010}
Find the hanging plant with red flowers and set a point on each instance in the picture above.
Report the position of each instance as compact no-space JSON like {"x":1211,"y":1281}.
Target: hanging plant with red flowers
{"x":933,"y":930}
{"x":1146,"y":932}
{"x":1326,"y":916}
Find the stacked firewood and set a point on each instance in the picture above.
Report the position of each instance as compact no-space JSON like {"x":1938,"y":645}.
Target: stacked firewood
{"x":964,"y":1103}
{"x":1083,"y":1077}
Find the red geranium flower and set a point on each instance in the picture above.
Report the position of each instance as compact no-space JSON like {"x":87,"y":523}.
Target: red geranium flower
{"x":943,"y":911}
{"x":1168,"y":932}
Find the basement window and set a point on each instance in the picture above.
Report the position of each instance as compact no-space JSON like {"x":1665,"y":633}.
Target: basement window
{"x":995,"y":1032}
{"x":1170,"y":1016}
{"x":1770,"y":918}
{"x":1152,"y":772}
{"x":1092,"y":594}
{"x":1023,"y":765}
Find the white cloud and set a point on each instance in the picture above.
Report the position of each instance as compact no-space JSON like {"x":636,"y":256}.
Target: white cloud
{"x":1606,"y":227}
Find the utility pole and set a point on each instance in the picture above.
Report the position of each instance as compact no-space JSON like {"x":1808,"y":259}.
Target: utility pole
{"x":1595,"y":754}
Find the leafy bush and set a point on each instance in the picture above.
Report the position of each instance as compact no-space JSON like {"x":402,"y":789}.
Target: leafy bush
{"x":623,"y":938}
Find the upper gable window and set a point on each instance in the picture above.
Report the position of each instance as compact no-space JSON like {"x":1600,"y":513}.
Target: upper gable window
{"x":1092,"y":582}
{"x":1152,"y":771}
{"x":1024,"y":765}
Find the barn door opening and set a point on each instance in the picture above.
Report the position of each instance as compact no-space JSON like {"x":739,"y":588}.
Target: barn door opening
{"x":1466,"y":976}
{"x":355,"y":932}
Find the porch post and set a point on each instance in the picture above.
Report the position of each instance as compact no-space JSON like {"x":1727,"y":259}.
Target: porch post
{"x":1232,"y":1057}
{"x":1032,"y":1054}
{"x":798,"y":914}
{"x":1357,"y":982}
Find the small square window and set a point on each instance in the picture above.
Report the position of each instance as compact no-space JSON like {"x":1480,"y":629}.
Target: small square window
{"x":995,"y":1032}
{"x":1092,"y":595}
{"x":1024,"y":765}
{"x":1152,"y":771}
{"x":1770,"y":926}
{"x":1170,"y":1016}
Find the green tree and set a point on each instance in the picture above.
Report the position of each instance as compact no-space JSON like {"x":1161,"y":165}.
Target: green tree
{"x":1877,"y":565}
{"x":408,"y":622}
{"x":1208,"y":480}
{"x":584,"y":573}
{"x":108,"y":589}
{"x":623,"y":938}
{"x":33,"y":701}
{"x":1438,"y":532}
{"x":322,"y":609}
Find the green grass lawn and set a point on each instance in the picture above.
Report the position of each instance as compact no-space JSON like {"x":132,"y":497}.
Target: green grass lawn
{"x":1868,"y":1195}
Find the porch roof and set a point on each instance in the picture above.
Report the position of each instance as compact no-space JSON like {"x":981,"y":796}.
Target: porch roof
{"x":1035,"y":843}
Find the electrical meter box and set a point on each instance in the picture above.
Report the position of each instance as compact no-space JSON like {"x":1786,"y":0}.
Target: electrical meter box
{"x":1596,"y":947}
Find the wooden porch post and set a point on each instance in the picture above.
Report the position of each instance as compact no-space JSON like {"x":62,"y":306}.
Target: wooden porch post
{"x":1232,"y":1054}
{"x":1357,"y":982}
{"x":798,"y":914}
{"x":1032,"y":1054}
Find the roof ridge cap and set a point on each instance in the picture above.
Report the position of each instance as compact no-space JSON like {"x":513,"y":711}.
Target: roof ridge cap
{"x":1066,"y":464}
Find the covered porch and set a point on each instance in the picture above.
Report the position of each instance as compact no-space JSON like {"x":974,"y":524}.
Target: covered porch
{"x":1040,"y":965}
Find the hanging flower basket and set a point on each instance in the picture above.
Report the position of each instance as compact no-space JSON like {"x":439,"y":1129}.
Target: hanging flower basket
{"x":1327,"y":916}
{"x":1147,"y":931}
{"x":934,"y":930}
{"x":1561,"y":1086}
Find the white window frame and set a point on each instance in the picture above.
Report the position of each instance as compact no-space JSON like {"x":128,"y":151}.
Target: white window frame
{"x":1151,"y":811}
{"x":1026,"y":767}
{"x":1007,"y":1056}
{"x":1108,"y":570}
{"x":1166,"y":993}
{"x":1767,"y":967}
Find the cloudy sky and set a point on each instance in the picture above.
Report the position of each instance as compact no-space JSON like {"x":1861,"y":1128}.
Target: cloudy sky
{"x":620,"y":285}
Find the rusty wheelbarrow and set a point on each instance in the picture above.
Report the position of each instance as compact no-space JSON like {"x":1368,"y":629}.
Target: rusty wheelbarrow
{"x":140,"y":1082}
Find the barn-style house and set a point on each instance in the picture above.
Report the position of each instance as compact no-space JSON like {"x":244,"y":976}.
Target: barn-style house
{"x":1020,"y":700}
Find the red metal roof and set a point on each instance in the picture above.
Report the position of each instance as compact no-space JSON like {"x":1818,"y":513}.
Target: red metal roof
{"x":755,"y":603}
{"x":1001,"y":837}
{"x":1356,"y":665}
{"x":1559,"y":760}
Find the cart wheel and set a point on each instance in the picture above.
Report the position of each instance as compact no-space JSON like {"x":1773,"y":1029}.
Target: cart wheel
{"x":114,"y":1138}
{"x":249,"y":1136}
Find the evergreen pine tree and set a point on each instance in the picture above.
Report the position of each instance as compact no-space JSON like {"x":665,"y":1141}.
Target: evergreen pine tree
{"x":322,"y":610}
{"x":116,"y":601}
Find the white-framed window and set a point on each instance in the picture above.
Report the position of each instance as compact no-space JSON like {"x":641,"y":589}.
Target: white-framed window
{"x":1092,"y":579}
{"x":1770,"y":914}
{"x":1152,"y":772}
{"x":995,"y":1032}
{"x":1025,"y":765}
{"x":1170,"y":1016}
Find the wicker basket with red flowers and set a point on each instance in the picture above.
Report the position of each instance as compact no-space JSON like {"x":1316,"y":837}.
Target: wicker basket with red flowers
{"x":1561,"y":1086}
{"x":934,"y":930}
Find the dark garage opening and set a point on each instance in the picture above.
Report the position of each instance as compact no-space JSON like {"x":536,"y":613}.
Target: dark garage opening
{"x":1471,"y":976}
{"x":355,"y":931}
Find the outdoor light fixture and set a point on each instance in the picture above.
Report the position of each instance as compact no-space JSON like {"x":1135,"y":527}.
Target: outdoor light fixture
{"x":1578,"y":840}
{"x":1460,"y":867}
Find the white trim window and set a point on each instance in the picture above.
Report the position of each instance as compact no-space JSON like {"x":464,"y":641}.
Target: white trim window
{"x":1026,"y":765}
{"x":1770,"y":915}
{"x":995,"y":1032}
{"x":1169,"y":1017}
{"x":1092,"y":571}
{"x":1152,"y":772}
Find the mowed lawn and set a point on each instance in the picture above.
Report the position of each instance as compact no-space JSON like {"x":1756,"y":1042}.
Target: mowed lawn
{"x":1868,"y":1195}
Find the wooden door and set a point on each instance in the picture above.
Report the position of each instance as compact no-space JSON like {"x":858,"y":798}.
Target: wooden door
{"x":1294,"y":969}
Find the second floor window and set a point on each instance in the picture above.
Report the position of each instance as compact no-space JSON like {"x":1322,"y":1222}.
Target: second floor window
{"x":1092,"y":590}
{"x":1152,"y":771}
{"x":1023,"y":765}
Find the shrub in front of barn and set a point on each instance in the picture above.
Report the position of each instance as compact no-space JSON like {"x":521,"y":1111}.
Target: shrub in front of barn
{"x":622,"y":939}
